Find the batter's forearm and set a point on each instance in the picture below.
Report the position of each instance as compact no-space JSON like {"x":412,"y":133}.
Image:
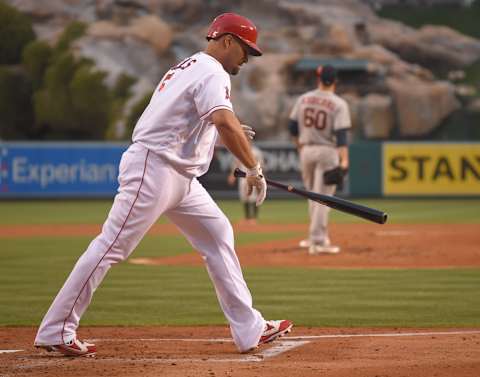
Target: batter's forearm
{"x":237,"y":144}
{"x":233,"y":137}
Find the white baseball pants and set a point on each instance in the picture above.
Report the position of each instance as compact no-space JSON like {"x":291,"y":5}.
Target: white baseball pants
{"x":149,"y":187}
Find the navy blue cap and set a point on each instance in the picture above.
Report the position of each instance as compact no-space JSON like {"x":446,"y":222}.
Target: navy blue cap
{"x":327,"y":74}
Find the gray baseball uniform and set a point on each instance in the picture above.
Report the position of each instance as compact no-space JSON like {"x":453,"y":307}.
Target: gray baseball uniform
{"x":319,"y":115}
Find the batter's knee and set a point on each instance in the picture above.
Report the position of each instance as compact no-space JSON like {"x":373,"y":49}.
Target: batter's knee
{"x":225,"y":229}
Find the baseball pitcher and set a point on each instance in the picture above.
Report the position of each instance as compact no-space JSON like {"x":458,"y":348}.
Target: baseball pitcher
{"x":318,"y":124}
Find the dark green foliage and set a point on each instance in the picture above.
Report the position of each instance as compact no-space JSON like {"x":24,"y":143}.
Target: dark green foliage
{"x":90,"y":103}
{"x":121,"y":92}
{"x":53,"y":94}
{"x":123,"y":86}
{"x":73,"y":31}
{"x":135,"y":114}
{"x":472,"y":76}
{"x":35,"y":59}
{"x":74,"y":102}
{"x":16,"y":112}
{"x":15,"y":33}
{"x":461,"y":18}
{"x":460,"y":125}
{"x":53,"y":107}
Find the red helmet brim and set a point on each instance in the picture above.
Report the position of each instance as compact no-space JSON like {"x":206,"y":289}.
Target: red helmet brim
{"x":253,"y":49}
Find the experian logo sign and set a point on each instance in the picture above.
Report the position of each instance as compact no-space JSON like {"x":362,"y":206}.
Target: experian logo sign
{"x":59,"y":169}
{"x":28,"y":172}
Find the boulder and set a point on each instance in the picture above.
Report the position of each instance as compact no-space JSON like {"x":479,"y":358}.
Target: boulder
{"x":387,"y":63}
{"x":431,"y":46}
{"x":376,"y":116}
{"x":40,"y":11}
{"x":128,"y":55}
{"x":150,"y":29}
{"x":353,"y":101}
{"x":143,"y":38}
{"x":259,"y":94}
{"x":421,"y":106}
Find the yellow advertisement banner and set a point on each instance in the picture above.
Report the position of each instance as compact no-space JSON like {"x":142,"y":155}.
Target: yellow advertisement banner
{"x":431,"y":169}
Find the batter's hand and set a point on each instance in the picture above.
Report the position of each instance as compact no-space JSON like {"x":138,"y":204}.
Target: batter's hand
{"x":256,"y":179}
{"x":249,"y":132}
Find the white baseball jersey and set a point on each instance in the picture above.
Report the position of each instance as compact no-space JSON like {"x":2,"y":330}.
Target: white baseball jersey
{"x":319,"y":114}
{"x":175,"y":124}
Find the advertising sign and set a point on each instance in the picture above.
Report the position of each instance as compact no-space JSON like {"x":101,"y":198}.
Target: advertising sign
{"x":52,"y":170}
{"x":431,"y":169}
{"x":59,"y":169}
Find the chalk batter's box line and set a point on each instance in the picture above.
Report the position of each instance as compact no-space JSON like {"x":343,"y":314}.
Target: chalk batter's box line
{"x":293,"y":338}
{"x":281,"y":346}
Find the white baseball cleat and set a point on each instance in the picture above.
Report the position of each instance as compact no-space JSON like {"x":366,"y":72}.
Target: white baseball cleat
{"x":75,"y":348}
{"x":323,"y":249}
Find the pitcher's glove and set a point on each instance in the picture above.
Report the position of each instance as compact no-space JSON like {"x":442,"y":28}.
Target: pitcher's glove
{"x":334,"y":176}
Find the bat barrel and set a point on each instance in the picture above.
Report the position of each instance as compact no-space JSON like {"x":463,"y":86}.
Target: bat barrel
{"x":334,"y":202}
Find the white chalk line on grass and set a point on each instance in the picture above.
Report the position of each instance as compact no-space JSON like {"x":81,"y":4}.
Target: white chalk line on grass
{"x":10,"y":351}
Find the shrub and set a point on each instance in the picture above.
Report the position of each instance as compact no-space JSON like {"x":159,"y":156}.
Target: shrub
{"x":35,"y":59}
{"x":16,"y":112}
{"x":15,"y":33}
{"x":135,"y":114}
{"x":73,"y":31}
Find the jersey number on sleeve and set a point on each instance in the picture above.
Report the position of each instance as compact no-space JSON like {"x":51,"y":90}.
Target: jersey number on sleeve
{"x":313,"y":117}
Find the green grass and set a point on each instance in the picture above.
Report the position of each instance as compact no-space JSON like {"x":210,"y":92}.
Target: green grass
{"x":149,"y":295}
{"x":33,"y":269}
{"x":272,"y":211}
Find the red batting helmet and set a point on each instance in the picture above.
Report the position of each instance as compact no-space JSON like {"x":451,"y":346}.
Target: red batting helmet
{"x":241,"y":27}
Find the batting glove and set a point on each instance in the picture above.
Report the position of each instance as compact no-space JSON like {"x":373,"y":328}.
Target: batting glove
{"x":248,"y":131}
{"x":256,"y":179}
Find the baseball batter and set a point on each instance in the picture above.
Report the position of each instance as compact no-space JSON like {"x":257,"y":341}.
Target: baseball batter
{"x":173,"y":144}
{"x":318,"y":123}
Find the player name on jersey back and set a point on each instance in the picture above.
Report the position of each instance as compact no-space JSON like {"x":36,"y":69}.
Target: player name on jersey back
{"x":175,"y":124}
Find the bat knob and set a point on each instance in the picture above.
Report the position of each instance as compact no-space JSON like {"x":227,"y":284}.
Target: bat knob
{"x":238,"y":173}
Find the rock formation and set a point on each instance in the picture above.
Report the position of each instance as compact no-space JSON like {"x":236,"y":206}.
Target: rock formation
{"x":145,"y":37}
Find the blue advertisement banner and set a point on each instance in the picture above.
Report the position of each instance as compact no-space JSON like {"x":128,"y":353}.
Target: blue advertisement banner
{"x":53,"y":170}
{"x":90,"y":170}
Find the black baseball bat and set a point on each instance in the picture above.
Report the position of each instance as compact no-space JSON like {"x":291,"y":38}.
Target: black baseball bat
{"x":334,"y":202}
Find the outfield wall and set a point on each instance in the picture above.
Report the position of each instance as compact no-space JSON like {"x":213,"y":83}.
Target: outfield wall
{"x":77,"y":170}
